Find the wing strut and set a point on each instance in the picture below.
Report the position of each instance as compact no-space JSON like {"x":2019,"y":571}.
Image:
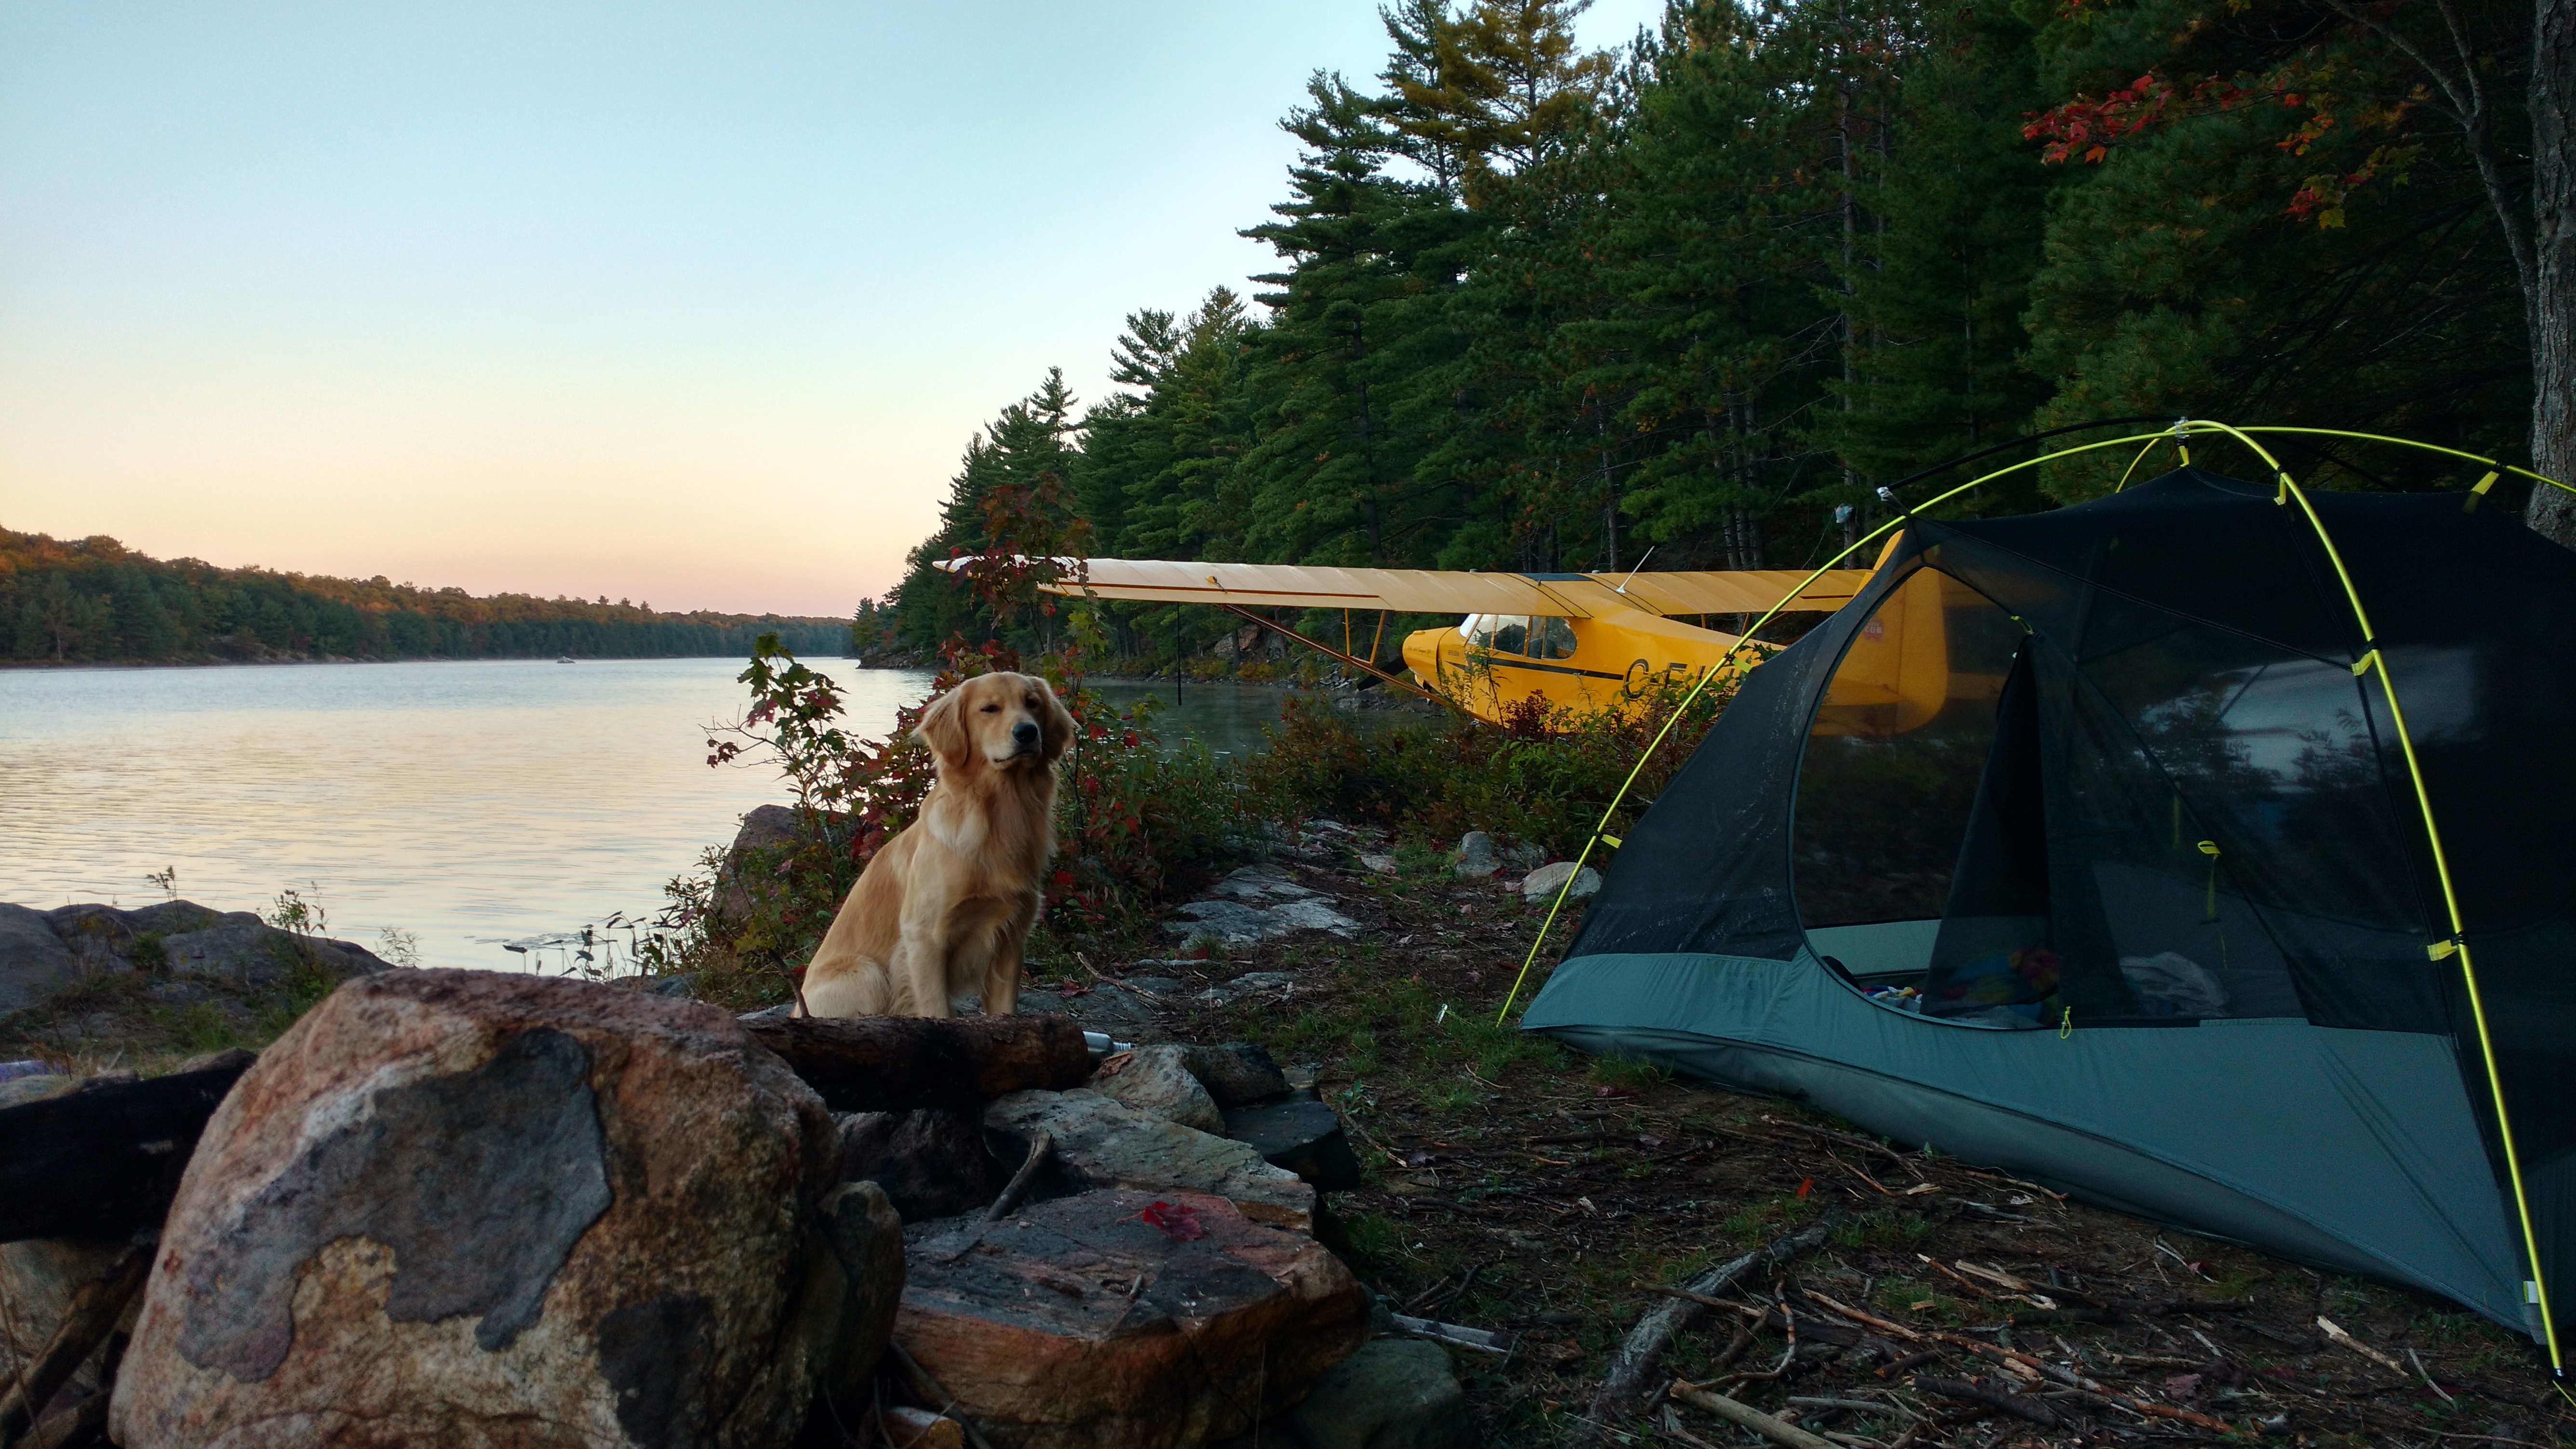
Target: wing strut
{"x":1350,"y":659}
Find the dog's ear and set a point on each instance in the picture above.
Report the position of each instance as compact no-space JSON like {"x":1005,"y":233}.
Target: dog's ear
{"x":943,"y":728}
{"x":1055,"y":722}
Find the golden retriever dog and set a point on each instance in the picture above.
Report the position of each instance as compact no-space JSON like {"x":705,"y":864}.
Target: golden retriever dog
{"x":943,"y":911}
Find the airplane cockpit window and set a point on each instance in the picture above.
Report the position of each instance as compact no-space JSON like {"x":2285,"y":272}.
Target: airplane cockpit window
{"x":1555,"y":639}
{"x":1511,"y":634}
{"x":1475,"y":629}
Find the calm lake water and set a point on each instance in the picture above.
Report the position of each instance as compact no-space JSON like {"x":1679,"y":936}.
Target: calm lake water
{"x":475,"y":805}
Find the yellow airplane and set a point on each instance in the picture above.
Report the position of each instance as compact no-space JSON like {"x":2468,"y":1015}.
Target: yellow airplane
{"x":1584,"y":641}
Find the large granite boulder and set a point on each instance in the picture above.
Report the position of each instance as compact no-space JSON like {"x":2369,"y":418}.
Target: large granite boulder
{"x":34,"y":962}
{"x":1100,"y":1144}
{"x":461,"y":1207}
{"x":1124,"y":1320}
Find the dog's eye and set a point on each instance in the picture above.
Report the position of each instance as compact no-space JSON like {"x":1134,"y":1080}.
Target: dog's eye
{"x":1029,"y":703}
{"x":992,"y":709}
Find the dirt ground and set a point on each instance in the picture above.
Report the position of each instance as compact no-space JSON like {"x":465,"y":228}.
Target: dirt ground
{"x":1515,"y":1186}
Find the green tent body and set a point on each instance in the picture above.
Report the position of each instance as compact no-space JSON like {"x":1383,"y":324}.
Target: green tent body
{"x":2087,"y":845}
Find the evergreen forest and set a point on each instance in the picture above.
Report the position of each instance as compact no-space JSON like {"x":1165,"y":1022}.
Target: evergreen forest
{"x":95,"y":601}
{"x":1690,"y":302}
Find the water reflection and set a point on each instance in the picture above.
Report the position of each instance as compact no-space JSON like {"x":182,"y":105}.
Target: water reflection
{"x":503,"y":813}
{"x":471,"y":804}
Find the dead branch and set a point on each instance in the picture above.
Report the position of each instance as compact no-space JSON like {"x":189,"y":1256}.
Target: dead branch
{"x":1745,"y":1416}
{"x":1637,"y":1357}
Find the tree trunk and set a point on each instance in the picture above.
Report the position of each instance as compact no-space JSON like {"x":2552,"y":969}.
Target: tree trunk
{"x":898,"y":1063}
{"x":2553,"y":301}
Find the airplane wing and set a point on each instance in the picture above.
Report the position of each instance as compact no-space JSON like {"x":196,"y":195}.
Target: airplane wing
{"x":1447,"y":591}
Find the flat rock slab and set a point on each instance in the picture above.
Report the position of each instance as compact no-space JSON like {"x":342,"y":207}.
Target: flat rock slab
{"x":1302,"y":1136}
{"x":1104,"y":1144}
{"x":1258,"y":903}
{"x":1277,"y":985}
{"x":466,"y":1207}
{"x":1077,"y":1324}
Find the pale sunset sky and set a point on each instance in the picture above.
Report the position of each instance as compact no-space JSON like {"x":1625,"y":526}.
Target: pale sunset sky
{"x":693,"y":304}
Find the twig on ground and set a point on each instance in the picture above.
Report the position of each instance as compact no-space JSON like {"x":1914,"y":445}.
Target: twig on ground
{"x":1041,"y":1148}
{"x":1480,"y":1339}
{"x":1644,"y":1348}
{"x":1999,"y":1399}
{"x":2033,"y":1366}
{"x":2335,"y":1335}
{"x":1852,"y":1139}
{"x":1745,"y":1416}
{"x":2428,"y":1377}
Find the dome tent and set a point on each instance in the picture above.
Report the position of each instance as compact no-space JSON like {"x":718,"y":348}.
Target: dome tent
{"x":2094,"y":845}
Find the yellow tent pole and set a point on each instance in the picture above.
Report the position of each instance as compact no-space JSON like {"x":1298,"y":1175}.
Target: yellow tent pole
{"x":2373,"y":659}
{"x":2412,"y":443}
{"x":1728,"y":659}
{"x":2133,"y":464}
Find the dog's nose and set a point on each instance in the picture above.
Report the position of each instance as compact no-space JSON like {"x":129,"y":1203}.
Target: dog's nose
{"x":1024,"y":734}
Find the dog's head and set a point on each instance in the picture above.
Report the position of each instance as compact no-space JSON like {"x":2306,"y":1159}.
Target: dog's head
{"x":1008,"y":721}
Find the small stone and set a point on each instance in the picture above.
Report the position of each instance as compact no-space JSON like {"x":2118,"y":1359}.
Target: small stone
{"x":1102,"y":1144}
{"x":1302,"y":1136}
{"x":930,"y":1163}
{"x":1394,"y":1393}
{"x":1078,"y":1324}
{"x":1522,"y":855}
{"x":1543,"y":883}
{"x":1237,"y":1073}
{"x":1156,"y":1080}
{"x":1378,"y":864}
{"x":1475,"y":858}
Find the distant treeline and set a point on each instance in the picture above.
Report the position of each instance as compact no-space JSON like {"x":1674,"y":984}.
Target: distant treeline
{"x":95,"y":601}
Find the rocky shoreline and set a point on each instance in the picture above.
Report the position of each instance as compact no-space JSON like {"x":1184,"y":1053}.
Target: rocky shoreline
{"x":83,"y":982}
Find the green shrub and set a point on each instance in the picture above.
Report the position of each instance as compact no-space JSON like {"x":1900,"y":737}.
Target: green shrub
{"x":1545,"y":774}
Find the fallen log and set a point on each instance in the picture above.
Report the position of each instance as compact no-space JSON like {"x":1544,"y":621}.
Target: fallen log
{"x":899,"y":1063}
{"x":1637,"y":1357}
{"x":104,"y":1160}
